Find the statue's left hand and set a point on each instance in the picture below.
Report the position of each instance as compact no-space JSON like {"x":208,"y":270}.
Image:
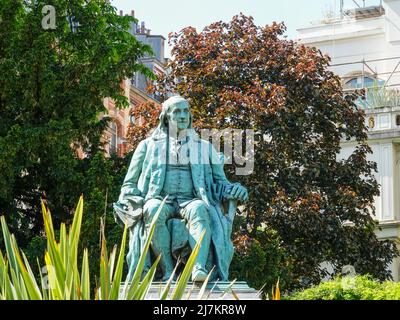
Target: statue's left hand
{"x":239,"y":192}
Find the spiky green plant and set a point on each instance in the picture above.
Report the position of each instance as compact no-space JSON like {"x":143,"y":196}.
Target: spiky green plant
{"x":65,"y":281}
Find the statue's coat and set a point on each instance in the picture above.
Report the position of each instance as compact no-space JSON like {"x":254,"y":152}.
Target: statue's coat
{"x":145,"y":180}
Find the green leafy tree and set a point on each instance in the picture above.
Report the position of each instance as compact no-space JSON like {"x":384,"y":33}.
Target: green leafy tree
{"x":260,"y":260}
{"x":52,"y":86}
{"x":239,"y":75}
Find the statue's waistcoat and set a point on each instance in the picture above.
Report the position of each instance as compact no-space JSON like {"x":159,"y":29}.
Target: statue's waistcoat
{"x":152,"y":179}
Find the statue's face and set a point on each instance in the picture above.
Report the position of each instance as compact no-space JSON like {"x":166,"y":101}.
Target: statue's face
{"x":179,"y":115}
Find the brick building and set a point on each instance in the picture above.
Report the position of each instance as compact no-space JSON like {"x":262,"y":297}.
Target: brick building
{"x":135,"y":89}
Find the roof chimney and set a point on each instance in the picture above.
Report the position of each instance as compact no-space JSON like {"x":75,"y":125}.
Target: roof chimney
{"x":121,"y":12}
{"x":143,"y":28}
{"x":133,"y":13}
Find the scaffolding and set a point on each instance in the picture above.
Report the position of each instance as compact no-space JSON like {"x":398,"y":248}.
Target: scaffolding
{"x":373,"y":74}
{"x":383,"y":91}
{"x":363,"y":9}
{"x":367,"y":70}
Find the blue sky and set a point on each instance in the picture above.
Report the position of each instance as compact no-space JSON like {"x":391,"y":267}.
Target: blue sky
{"x":164,"y":16}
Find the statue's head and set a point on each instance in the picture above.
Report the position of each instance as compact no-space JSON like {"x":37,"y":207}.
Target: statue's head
{"x":176,"y":113}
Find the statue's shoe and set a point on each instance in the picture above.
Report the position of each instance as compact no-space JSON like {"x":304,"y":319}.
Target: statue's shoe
{"x":166,"y":277}
{"x":199,"y":275}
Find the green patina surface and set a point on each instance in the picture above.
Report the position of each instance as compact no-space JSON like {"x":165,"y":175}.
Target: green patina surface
{"x":175,"y":163}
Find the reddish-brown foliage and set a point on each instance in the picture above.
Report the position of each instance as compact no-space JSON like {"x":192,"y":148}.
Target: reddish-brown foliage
{"x":239,"y":75}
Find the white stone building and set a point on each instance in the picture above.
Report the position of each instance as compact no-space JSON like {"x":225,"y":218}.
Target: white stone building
{"x":363,"y":40}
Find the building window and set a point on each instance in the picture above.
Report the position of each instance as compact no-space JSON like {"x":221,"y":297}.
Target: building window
{"x":113,"y":138}
{"x":398,"y":120}
{"x":132,"y":120}
{"x":362,"y":82}
{"x":133,"y":80}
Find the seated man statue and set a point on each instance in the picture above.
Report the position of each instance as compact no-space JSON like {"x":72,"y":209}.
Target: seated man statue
{"x":175,"y":163}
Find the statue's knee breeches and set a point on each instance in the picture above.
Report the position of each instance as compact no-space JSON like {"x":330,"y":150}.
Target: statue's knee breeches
{"x":196,"y":211}
{"x":150,"y":209}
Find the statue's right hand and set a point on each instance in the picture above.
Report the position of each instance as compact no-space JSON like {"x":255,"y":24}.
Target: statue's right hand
{"x":128,"y":192}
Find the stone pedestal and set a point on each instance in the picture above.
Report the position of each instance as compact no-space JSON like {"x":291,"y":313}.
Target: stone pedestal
{"x":214,"y":291}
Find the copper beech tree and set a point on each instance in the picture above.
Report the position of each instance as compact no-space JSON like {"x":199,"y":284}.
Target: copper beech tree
{"x":239,"y":75}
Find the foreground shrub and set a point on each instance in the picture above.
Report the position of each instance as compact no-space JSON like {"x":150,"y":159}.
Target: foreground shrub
{"x":351,"y":288}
